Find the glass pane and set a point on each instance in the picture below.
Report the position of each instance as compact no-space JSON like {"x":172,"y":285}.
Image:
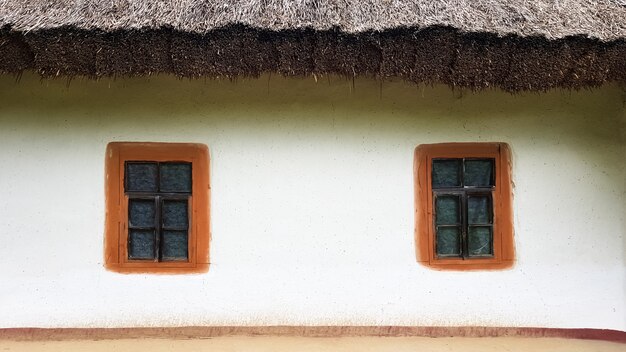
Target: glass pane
{"x":446,"y":173}
{"x":479,"y":209}
{"x":174,"y":245}
{"x":479,"y":173}
{"x":175,"y":214}
{"x":176,"y":177}
{"x":448,"y":241}
{"x":141,"y":177}
{"x":479,"y":241}
{"x":141,"y":244}
{"x":141,"y":213}
{"x":447,"y":209}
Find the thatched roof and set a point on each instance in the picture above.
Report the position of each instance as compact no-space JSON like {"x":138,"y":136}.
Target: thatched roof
{"x":513,"y":44}
{"x":553,"y":19}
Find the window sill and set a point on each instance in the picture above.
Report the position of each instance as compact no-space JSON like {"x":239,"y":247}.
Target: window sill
{"x":468,"y":265}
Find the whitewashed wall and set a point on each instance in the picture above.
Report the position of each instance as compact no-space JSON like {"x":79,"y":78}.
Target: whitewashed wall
{"x":312,"y":204}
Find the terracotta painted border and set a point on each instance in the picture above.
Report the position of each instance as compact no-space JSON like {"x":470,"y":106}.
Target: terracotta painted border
{"x":116,"y":223}
{"x":504,"y":252}
{"x":197,"y":332}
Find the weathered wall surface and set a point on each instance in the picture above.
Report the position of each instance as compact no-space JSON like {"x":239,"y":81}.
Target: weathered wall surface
{"x":312,"y":204}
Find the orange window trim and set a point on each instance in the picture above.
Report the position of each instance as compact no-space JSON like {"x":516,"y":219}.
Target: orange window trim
{"x":503,"y":243}
{"x":116,"y":203}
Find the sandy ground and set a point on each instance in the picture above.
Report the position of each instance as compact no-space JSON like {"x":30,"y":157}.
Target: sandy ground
{"x":310,"y":344}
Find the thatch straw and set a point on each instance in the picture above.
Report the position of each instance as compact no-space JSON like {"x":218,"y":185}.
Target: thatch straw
{"x":515,"y":44}
{"x":552,"y":19}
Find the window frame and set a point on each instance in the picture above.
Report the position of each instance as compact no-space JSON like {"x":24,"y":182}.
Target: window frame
{"x":502,"y":200}
{"x":117,"y":202}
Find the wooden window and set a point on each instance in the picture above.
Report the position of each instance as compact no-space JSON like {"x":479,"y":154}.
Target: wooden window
{"x":463,"y":200}
{"x":157,"y":203}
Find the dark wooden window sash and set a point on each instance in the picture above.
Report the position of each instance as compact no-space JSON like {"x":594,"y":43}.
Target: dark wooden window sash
{"x":463,"y":192}
{"x":158,"y":197}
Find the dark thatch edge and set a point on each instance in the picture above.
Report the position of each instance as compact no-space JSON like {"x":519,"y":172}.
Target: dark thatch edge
{"x":431,"y":55}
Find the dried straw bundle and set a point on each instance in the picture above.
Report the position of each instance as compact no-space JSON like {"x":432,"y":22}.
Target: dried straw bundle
{"x":552,"y":19}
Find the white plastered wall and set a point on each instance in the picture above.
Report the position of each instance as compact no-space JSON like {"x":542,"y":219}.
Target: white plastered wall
{"x":312,"y":204}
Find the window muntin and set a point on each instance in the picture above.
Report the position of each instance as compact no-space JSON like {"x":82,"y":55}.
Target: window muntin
{"x":463,"y":203}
